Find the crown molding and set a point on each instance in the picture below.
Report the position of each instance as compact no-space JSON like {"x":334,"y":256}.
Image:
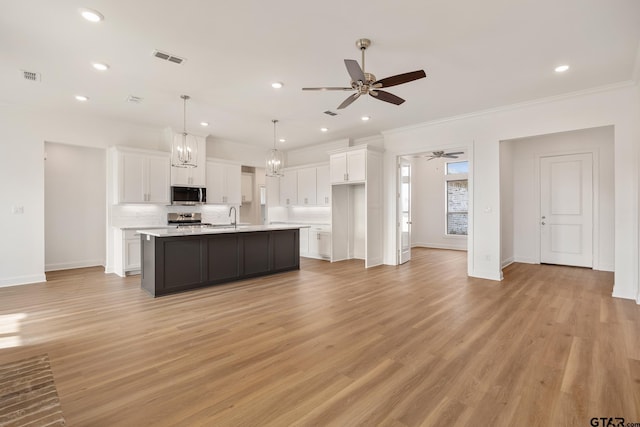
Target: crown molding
{"x":511,"y":107}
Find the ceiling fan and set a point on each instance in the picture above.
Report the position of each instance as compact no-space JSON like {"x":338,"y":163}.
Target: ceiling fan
{"x":442,"y":154}
{"x":364,"y":83}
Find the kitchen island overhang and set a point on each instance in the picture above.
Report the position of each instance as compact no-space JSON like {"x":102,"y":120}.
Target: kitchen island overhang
{"x":176,"y":260}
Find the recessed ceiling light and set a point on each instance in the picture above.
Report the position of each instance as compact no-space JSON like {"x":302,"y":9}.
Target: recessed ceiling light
{"x":91,"y":15}
{"x":276,"y":85}
{"x":282,"y":140}
{"x":100,"y":66}
{"x":81,"y":98}
{"x":324,"y":129}
{"x":562,"y":68}
{"x":365,"y":118}
{"x":204,"y":124}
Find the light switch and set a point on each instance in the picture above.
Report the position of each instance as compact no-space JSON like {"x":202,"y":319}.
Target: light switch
{"x":17,"y":210}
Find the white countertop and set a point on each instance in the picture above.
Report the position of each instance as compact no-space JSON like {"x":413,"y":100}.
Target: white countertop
{"x":187,"y":231}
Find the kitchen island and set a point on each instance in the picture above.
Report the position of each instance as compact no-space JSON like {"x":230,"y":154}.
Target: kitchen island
{"x":179,"y":259}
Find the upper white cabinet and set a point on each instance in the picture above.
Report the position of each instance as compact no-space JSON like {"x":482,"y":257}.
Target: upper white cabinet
{"x":357,"y":210}
{"x":223,"y":183}
{"x":307,"y":189}
{"x":323,"y":186}
{"x":192,"y":177}
{"x":289,"y":188}
{"x":349,"y":166}
{"x":141,"y":176}
{"x":247,"y":188}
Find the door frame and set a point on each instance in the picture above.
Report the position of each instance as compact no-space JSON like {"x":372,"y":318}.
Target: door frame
{"x":400,"y":163}
{"x":468,"y":147}
{"x":595,"y":188}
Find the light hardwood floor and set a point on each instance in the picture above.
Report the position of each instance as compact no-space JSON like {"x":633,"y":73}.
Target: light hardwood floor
{"x":335,"y":344}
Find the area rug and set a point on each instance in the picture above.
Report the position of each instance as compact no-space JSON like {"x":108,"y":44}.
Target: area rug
{"x":28,"y":395}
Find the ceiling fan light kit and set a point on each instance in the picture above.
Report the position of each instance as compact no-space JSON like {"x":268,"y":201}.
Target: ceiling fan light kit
{"x":364,"y":83}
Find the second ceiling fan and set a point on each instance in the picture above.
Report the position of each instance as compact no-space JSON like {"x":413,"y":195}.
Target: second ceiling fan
{"x":364,"y":83}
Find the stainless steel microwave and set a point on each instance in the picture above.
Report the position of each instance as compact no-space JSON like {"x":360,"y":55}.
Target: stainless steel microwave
{"x":188,"y":195}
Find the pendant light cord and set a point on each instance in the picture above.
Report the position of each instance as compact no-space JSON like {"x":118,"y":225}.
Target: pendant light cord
{"x":274,"y":133}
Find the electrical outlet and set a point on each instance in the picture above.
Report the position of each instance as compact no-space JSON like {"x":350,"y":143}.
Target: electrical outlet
{"x":17,"y":210}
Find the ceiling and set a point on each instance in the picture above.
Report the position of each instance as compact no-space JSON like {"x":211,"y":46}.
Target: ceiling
{"x":477,"y":55}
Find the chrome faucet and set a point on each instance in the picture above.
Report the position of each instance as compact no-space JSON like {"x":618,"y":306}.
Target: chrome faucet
{"x":235,"y":216}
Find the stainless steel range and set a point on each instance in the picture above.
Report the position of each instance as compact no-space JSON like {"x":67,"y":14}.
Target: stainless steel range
{"x":186,"y":220}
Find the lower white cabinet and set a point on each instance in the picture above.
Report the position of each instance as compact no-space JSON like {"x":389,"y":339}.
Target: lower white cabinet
{"x":315,"y":242}
{"x":126,"y":252}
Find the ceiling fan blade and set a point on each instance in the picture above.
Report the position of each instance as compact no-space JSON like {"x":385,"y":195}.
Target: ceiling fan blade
{"x":457,"y":152}
{"x":448,"y":156}
{"x":327,"y":88}
{"x":349,"y":100}
{"x":400,"y":79}
{"x":354,"y":70}
{"x":386,"y":96}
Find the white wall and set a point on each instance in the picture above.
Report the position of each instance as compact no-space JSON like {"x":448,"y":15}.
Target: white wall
{"x":482,"y":133}
{"x":313,"y":154}
{"x":248,"y":155}
{"x":428,"y":206}
{"x":75,"y":206}
{"x":24,"y":131}
{"x":524,"y":155}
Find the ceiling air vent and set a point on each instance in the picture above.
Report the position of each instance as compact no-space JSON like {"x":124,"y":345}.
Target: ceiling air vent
{"x":134,"y":99}
{"x":330,"y":113}
{"x":31,"y":76}
{"x":168,"y":57}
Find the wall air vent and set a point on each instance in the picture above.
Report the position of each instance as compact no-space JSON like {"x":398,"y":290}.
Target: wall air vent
{"x":134,"y":99}
{"x":330,"y":113}
{"x":168,"y":57}
{"x":31,"y":76}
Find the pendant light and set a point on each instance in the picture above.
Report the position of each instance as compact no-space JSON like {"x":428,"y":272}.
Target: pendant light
{"x":184,"y":149}
{"x":275,"y":159}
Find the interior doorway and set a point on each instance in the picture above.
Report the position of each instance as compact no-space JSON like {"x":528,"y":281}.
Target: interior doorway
{"x":567,"y":177}
{"x":433,"y":201}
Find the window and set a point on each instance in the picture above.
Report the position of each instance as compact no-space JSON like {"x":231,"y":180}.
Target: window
{"x":457,"y":192}
{"x":457,"y":167}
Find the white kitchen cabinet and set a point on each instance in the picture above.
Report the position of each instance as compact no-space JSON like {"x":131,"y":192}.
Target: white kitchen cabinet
{"x":247,"y":187}
{"x":141,"y":176}
{"x":304,"y":242}
{"x":307,"y":187}
{"x":223,"y":183}
{"x":127,"y":258}
{"x":131,"y":251}
{"x":192,"y":177}
{"x":323,"y":186}
{"x":317,"y":242}
{"x":357,"y":205}
{"x":289,"y":188}
{"x":348,"y":167}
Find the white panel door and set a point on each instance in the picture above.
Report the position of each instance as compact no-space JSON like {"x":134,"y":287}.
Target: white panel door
{"x":404,"y":212}
{"x":356,"y":165}
{"x":132,"y":178}
{"x":323,"y":187}
{"x":338,"y":168}
{"x":566,"y":210}
{"x":307,"y":186}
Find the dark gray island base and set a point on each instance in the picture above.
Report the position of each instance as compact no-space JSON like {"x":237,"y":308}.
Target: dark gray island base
{"x":179,"y":261}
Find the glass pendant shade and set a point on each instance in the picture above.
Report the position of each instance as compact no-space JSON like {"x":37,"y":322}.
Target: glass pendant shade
{"x":275,"y":158}
{"x":184,"y":148}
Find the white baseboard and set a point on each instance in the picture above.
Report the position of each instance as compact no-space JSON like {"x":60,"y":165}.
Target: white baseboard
{"x":438,"y":246}
{"x":75,"y":264}
{"x":22,"y":280}
{"x":489,"y":275}
{"x":605,"y":267}
{"x":525,"y":260}
{"x":617,"y":294}
{"x":507,"y":262}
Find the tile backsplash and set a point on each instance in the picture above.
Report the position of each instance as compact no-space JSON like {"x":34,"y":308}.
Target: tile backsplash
{"x":156,"y":215}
